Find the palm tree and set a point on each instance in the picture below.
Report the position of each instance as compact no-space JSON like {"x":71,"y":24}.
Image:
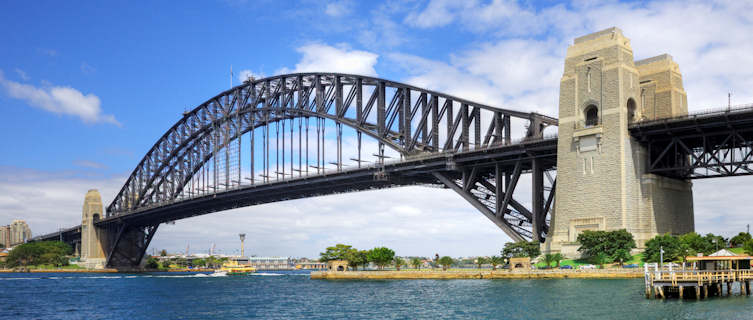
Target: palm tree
{"x":548,"y":259}
{"x":480,"y":261}
{"x":416,"y":263}
{"x":495,"y":261}
{"x":557,"y":257}
{"x":398,"y":262}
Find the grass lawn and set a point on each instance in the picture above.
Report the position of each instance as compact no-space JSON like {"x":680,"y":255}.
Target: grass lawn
{"x":737,"y":250}
{"x":637,"y":259}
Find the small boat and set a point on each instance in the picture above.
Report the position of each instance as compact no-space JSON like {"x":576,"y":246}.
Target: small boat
{"x":232,"y":268}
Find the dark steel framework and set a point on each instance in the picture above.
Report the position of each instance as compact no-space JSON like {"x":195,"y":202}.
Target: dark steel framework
{"x":707,"y":145}
{"x":287,"y":136}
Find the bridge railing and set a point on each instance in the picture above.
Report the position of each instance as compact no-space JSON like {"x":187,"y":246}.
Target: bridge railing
{"x":709,"y":112}
{"x":328,"y":171}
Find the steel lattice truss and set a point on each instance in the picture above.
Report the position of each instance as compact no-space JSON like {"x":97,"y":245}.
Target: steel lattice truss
{"x":699,"y":146}
{"x":406,"y":119}
{"x":302,"y":135}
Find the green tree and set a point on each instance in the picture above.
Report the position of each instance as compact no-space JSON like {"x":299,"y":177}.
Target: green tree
{"x":39,"y":252}
{"x":715,"y":242}
{"x":621,"y":255}
{"x":668,"y":242}
{"x":522,"y":249}
{"x":399,"y":262}
{"x":558,"y":257}
{"x":446,"y":262}
{"x":593,"y":242}
{"x":548,"y":259}
{"x":481,"y":260}
{"x":199,"y":263}
{"x":600,"y":259}
{"x":495,"y":261}
{"x":740,"y":239}
{"x":163,"y":253}
{"x":152,"y":263}
{"x":748,"y":247}
{"x":416,"y":263}
{"x":692,"y":243}
{"x":356,"y":258}
{"x":381,"y":256}
{"x":338,"y":252}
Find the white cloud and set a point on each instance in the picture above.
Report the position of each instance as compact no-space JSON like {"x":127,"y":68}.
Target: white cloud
{"x":22,"y":74}
{"x":706,"y":38}
{"x":89,"y":164}
{"x":324,"y":58}
{"x":498,"y":16}
{"x":338,"y":8}
{"x":411,"y":220}
{"x":60,"y":100}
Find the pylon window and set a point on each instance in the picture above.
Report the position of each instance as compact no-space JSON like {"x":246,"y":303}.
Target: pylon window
{"x":592,"y":116}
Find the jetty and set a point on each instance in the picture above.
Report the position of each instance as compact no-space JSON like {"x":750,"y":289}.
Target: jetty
{"x":714,"y":275}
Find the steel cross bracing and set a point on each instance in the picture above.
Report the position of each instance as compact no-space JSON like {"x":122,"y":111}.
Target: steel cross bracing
{"x":699,"y":146}
{"x":302,"y":135}
{"x":409,"y":120}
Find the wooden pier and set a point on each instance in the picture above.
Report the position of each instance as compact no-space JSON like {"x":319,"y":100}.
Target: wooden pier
{"x":713,"y":275}
{"x":696,"y":284}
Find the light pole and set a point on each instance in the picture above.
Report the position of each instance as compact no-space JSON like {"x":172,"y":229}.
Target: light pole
{"x":243,"y":238}
{"x":661,"y":257}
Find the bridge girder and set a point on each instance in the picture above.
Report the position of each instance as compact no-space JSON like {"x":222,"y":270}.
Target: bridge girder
{"x":180,"y":153}
{"x":185,"y":166}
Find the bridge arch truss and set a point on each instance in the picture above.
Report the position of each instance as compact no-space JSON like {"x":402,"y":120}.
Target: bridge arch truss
{"x":295,"y":126}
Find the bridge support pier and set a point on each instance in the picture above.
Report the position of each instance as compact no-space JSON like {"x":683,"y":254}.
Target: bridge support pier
{"x":601,"y":169}
{"x":128,"y":245}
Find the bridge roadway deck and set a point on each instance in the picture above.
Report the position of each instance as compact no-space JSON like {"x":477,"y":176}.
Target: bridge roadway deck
{"x":410,"y":171}
{"x":702,"y":145}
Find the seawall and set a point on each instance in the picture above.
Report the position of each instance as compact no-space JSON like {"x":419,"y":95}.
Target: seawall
{"x":480,"y":274}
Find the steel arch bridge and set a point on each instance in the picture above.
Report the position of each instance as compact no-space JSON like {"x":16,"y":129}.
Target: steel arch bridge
{"x":308,"y":134}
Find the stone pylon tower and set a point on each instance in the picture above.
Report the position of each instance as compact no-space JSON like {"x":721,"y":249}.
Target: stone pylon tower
{"x":602,"y":182}
{"x":91,"y":247}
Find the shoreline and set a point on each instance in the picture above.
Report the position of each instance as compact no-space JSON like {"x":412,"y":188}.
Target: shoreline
{"x":100,"y":270}
{"x":479,"y":274}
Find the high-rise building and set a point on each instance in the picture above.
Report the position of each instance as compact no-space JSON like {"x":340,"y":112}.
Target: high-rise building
{"x":19,"y":232}
{"x":5,"y":236}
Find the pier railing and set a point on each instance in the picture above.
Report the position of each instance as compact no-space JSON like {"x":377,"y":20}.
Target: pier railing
{"x":700,"y":277}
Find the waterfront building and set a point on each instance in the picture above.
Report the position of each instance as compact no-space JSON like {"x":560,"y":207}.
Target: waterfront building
{"x":337,"y":265}
{"x":15,"y":233}
{"x":19,"y":232}
{"x":5,"y":236}
{"x":266,"y":263}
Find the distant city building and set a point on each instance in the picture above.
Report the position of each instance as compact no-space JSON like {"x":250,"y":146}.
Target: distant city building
{"x":5,"y":236}
{"x":266,"y":263}
{"x":14,"y":234}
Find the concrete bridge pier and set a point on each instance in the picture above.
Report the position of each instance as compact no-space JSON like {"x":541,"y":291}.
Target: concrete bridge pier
{"x":602,"y":178}
{"x":113,"y":245}
{"x":92,"y":238}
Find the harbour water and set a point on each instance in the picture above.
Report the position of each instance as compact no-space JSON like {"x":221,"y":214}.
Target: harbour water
{"x":286,"y":295}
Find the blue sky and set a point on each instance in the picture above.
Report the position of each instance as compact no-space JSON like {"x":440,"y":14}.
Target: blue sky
{"x":87,"y":87}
